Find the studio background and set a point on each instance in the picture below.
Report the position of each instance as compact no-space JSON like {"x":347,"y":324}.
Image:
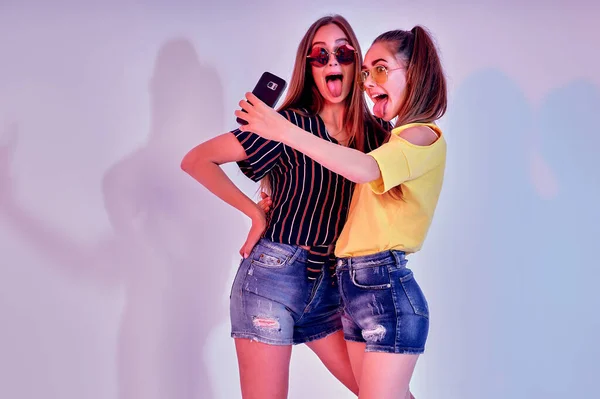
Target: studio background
{"x":116,"y":267}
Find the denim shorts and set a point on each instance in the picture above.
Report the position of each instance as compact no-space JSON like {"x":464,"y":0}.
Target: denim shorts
{"x":272,"y":301}
{"x":383,"y":304}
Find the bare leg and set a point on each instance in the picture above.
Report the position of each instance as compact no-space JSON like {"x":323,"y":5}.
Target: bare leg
{"x":333,"y":353}
{"x":356,"y":350}
{"x":386,"y":375}
{"x":264,"y":369}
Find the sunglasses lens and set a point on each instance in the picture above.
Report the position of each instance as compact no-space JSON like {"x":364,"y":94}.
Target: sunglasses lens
{"x":344,"y":55}
{"x":318,"y":57}
{"x":379,"y":74}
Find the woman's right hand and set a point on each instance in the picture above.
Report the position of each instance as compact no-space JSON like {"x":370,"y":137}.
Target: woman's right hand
{"x":265,"y":203}
{"x":259,"y":225}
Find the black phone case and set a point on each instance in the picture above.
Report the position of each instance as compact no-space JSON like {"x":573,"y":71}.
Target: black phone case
{"x":269,"y":88}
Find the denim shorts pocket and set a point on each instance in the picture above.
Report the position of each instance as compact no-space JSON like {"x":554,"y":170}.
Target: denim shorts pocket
{"x":414,"y":294}
{"x":371,"y":278}
{"x":263,"y":257}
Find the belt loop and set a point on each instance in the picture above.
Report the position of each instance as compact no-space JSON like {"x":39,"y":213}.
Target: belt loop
{"x":399,"y":257}
{"x":396,"y":258}
{"x":350,"y":264}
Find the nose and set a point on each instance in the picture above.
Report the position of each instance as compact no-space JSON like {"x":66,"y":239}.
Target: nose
{"x":332,"y":60}
{"x":369,"y":82}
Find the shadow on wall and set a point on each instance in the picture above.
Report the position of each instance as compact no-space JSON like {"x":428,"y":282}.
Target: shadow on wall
{"x":515,"y":257}
{"x":173,"y":243}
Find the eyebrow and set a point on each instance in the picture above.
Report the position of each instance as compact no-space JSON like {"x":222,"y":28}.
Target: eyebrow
{"x":375,"y":62}
{"x":337,"y":41}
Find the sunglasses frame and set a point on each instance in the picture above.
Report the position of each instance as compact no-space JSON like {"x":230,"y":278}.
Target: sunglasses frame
{"x":369,"y":72}
{"x":313,"y":60}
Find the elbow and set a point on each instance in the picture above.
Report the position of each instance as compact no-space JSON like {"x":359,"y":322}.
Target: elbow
{"x":186,"y":163}
{"x":366,"y":174}
{"x":197,"y":164}
{"x":192,"y":161}
{"x":359,"y":178}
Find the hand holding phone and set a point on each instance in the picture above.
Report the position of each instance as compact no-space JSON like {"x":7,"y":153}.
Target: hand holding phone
{"x":268,"y":89}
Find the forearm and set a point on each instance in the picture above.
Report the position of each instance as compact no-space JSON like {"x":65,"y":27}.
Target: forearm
{"x":211,"y":176}
{"x":350,"y":163}
{"x":202,"y":163}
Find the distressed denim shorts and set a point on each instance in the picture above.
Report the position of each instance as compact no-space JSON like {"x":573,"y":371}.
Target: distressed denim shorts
{"x":272,"y":301}
{"x":383,"y":304}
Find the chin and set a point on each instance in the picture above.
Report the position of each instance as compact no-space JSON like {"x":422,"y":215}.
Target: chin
{"x":344,"y":96}
{"x":391,"y":114}
{"x":336,"y":100}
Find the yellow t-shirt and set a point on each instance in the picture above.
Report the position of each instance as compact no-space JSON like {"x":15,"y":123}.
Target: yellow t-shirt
{"x":379,"y":222}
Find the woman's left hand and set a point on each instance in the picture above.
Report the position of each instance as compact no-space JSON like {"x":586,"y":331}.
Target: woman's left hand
{"x":262,"y":119}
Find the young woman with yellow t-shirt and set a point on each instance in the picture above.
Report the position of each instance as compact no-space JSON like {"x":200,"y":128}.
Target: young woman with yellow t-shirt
{"x":386,"y":316}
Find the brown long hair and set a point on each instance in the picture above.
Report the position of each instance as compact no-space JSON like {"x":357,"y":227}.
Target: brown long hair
{"x":425,"y":96}
{"x":304,"y":94}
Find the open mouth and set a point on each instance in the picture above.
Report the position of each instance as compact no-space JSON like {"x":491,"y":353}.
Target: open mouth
{"x":380,"y":101}
{"x":379,"y":97}
{"x":334,"y":84}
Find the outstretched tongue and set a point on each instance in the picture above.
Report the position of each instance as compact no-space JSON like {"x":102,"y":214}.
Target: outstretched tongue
{"x":379,"y":107}
{"x":335,"y":86}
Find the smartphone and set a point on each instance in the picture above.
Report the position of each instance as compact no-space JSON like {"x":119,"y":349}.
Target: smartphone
{"x":269,"y":88}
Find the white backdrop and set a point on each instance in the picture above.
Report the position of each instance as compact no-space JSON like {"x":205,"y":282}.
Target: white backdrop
{"x":116,"y":267}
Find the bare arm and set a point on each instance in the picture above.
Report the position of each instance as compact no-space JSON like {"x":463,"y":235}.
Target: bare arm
{"x":202,"y":163}
{"x":350,"y":163}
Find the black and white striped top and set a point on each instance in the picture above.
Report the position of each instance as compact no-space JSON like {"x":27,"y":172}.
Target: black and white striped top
{"x":310,"y":203}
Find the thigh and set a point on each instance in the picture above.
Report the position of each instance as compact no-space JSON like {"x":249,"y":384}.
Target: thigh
{"x":333,"y":352}
{"x":356,"y":352}
{"x":264,"y":369}
{"x":386,"y":375}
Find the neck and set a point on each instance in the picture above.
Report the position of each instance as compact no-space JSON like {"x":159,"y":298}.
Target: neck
{"x":333,"y":116}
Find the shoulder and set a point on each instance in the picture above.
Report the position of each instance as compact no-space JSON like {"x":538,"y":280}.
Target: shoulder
{"x":420,"y":135}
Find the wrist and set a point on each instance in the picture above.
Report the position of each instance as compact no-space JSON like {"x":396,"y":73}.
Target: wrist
{"x":256,"y":214}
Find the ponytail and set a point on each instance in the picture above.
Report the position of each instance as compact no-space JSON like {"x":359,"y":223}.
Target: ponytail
{"x":425,"y":96}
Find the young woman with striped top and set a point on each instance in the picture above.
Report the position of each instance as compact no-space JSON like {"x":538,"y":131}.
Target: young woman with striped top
{"x":386,"y":316}
{"x":284,"y":292}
